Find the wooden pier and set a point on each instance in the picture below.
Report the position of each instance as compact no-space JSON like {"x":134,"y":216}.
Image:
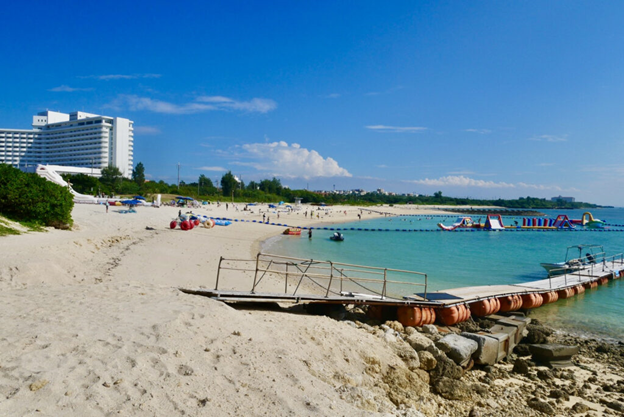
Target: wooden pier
{"x":313,"y":281}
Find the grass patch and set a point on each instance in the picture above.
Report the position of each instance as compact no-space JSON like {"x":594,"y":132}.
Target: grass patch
{"x":6,"y":230}
{"x":33,"y":226}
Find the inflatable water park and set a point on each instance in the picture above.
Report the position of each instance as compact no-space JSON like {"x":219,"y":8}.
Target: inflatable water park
{"x":495,"y":222}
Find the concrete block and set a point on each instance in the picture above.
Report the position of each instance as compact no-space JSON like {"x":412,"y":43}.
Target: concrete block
{"x":504,"y":345}
{"x":492,"y":348}
{"x":513,"y":331}
{"x":554,"y":355}
{"x":503,"y":324}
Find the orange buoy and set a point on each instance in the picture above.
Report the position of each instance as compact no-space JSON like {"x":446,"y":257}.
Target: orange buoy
{"x":468,"y":312}
{"x":450,"y":315}
{"x":431,"y":316}
{"x":497,"y":306}
{"x":506,"y":303}
{"x":410,"y":316}
{"x":483,"y":307}
{"x":565,"y":293}
{"x":510,"y":303}
{"x":578,"y":289}
{"x":550,"y":297}
{"x":428,"y":316}
{"x":532,"y":300}
{"x":603,"y":280}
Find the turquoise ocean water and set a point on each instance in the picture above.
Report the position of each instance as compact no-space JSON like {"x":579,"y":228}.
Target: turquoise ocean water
{"x":457,"y":259}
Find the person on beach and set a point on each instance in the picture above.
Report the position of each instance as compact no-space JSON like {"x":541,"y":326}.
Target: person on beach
{"x":310,"y":233}
{"x":106,"y":206}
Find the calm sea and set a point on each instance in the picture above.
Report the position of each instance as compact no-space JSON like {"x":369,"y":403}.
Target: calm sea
{"x":457,"y":259}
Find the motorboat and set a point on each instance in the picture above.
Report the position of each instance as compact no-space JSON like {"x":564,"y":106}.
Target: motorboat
{"x":337,"y":237}
{"x":577,"y":256}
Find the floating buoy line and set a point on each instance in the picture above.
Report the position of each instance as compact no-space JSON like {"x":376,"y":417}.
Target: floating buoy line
{"x":620,"y":228}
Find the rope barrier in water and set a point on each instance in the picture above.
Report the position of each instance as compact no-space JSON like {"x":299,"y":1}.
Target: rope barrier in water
{"x":325,"y":228}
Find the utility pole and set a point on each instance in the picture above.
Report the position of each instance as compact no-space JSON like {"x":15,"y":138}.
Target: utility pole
{"x":178,"y":176}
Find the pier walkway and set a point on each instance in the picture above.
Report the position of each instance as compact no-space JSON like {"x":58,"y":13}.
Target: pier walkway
{"x":588,"y":274}
{"x":313,"y":281}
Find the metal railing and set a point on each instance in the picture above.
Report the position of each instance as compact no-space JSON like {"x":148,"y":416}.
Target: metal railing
{"x":586,"y":268}
{"x":327,"y":277}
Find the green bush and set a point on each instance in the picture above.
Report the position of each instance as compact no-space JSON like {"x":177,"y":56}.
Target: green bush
{"x":30,"y":198}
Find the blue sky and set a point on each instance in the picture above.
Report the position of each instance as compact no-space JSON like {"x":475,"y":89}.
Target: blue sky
{"x":483,"y":99}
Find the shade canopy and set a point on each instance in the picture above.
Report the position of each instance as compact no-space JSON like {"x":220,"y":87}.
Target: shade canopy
{"x":131,"y":202}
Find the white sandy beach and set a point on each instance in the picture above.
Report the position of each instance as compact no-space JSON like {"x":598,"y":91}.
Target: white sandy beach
{"x":93,"y":320}
{"x":93,"y":323}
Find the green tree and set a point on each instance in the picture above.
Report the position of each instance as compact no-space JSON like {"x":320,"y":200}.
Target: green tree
{"x":205,"y":186}
{"x":138,"y":174}
{"x":82,"y":183}
{"x":228,"y":184}
{"x":111,"y":178}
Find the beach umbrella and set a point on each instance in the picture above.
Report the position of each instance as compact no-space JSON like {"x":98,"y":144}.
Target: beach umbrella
{"x":183,"y":198}
{"x":131,"y":202}
{"x":139,"y":197}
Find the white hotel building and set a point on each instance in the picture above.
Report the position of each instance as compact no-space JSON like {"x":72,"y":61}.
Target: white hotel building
{"x":78,"y":139}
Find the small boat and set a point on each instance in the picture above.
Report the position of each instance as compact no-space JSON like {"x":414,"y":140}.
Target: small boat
{"x":577,"y":256}
{"x":337,"y":237}
{"x":292,"y":231}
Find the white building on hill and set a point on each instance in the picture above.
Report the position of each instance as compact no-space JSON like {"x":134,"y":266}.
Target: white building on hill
{"x":77,"y":139}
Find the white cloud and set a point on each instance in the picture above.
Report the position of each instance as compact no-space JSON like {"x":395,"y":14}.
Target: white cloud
{"x":396,"y":129}
{"x":201,"y":104}
{"x":462,"y":181}
{"x":281,"y":159}
{"x":253,"y":105}
{"x":550,"y":138}
{"x":146,"y":130}
{"x":109,"y":77}
{"x":68,"y":89}
{"x":479,"y":131}
{"x":211,"y":168}
{"x":332,"y":96}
